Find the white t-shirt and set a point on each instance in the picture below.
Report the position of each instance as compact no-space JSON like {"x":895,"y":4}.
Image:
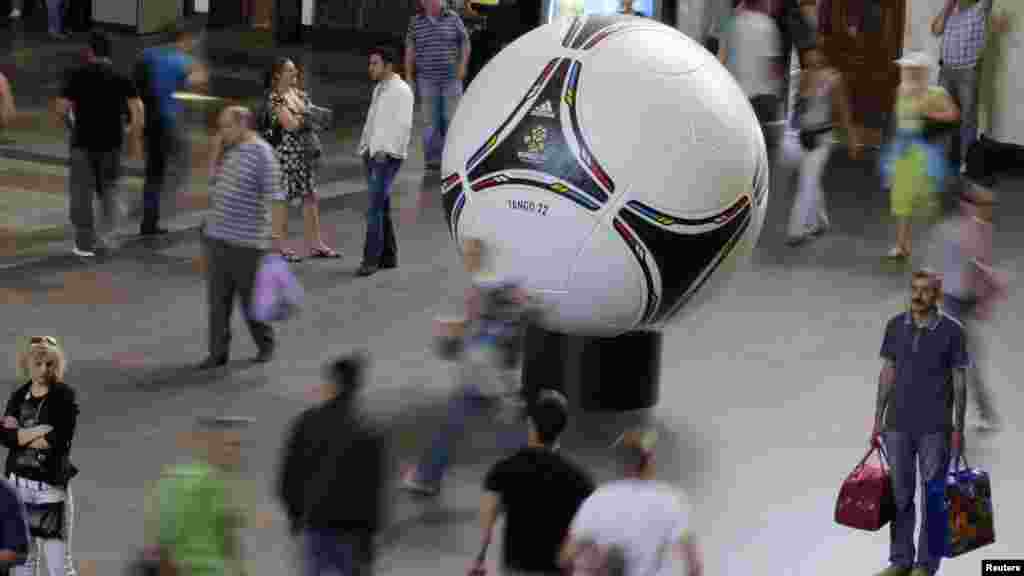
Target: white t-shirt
{"x":645,"y":518}
{"x":756,"y":45}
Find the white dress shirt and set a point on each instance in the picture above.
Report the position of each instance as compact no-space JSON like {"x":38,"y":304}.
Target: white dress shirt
{"x":388,"y":125}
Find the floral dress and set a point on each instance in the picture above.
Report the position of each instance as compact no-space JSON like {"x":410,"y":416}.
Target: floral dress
{"x":293,"y":153}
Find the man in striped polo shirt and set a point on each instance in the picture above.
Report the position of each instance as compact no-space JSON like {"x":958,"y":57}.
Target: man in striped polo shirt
{"x":238,"y":233}
{"x":436,"y":59}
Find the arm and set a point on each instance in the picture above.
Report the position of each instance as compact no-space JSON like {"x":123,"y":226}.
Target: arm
{"x":289,"y":487}
{"x":410,"y":61}
{"x":465,"y":48}
{"x":216,"y":153}
{"x":137,"y":119}
{"x":64,"y":421}
{"x":61,"y":107}
{"x":490,"y":509}
{"x":7,"y":110}
{"x":196,"y":74}
{"x":939,"y":22}
{"x":288,"y":120}
{"x":886,"y":381}
{"x":959,"y":399}
{"x":942,"y":108}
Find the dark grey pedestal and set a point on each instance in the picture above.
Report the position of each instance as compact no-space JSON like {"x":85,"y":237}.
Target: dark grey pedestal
{"x":618,"y":374}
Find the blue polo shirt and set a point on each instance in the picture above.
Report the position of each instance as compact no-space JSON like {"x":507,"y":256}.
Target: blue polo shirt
{"x":13,"y":522}
{"x":168,"y":68}
{"x":925,"y":357}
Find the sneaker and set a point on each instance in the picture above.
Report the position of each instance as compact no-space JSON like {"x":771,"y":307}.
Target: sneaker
{"x":895,"y":571}
{"x":15,"y":14}
{"x":410,"y":483}
{"x":82,"y":253}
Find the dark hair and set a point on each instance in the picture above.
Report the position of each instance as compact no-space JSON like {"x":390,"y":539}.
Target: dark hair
{"x":386,"y":53}
{"x":549,"y":414}
{"x":347,"y":374}
{"x":100,"y":44}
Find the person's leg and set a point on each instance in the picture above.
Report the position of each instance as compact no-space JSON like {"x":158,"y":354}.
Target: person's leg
{"x":313,"y":545}
{"x":450,"y":102}
{"x":976,"y":380}
{"x":389,"y":256}
{"x":429,"y":95}
{"x":901,"y":449}
{"x":464,"y":402}
{"x":245,"y":263}
{"x":54,"y":16}
{"x":220,"y":298}
{"x":179,"y":169}
{"x":933,"y":458}
{"x":374,"y":246}
{"x":968,"y":89}
{"x":156,"y":173}
{"x":107,"y":166}
{"x":69,"y":523}
{"x":81,"y":182}
{"x":29,"y":496}
{"x":804,"y":217}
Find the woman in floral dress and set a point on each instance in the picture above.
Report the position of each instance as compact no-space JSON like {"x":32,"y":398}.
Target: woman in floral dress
{"x":289,"y":129}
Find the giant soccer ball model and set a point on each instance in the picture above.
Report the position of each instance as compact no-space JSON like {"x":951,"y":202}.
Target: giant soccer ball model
{"x":613,"y":166}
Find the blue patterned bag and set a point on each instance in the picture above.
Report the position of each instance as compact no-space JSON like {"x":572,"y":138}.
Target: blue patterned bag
{"x":959,"y":509}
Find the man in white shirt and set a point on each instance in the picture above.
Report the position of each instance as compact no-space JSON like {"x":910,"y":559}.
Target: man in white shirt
{"x":639,"y":515}
{"x":383,"y":147}
{"x":756,"y":60}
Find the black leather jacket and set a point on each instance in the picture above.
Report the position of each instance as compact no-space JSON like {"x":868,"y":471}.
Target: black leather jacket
{"x":60,"y":410}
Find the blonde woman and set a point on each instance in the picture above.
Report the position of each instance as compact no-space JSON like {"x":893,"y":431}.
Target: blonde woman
{"x":37,"y":429}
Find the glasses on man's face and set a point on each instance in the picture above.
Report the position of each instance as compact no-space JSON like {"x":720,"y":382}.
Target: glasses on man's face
{"x":48,"y":340}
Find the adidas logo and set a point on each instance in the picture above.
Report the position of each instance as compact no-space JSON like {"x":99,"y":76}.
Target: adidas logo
{"x":544,"y":110}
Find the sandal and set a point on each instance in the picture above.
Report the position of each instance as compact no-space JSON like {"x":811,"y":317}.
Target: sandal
{"x":290,"y":256}
{"x":323,"y":253}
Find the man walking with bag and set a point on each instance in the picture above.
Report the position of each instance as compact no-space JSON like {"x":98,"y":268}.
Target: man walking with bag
{"x":237,"y":236}
{"x":919,"y":414}
{"x":383,"y":147}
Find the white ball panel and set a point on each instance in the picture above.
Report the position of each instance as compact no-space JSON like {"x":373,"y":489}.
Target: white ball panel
{"x":534,"y":242}
{"x":666,"y":52}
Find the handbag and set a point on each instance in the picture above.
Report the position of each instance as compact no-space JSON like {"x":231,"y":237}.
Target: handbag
{"x":959,"y":511}
{"x":46,"y":520}
{"x":277,"y":295}
{"x":865,"y":499}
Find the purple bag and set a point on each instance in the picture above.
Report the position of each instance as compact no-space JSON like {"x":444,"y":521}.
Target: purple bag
{"x":277,"y":295}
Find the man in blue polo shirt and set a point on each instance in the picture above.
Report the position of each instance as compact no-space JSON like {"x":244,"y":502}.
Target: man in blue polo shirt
{"x":919,"y":413}
{"x":13,"y":528}
{"x":162,"y":71}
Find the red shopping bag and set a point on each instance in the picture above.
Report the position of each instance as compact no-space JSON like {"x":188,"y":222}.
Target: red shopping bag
{"x":865,"y":499}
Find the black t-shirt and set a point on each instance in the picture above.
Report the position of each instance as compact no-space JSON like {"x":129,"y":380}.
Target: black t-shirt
{"x":101,"y":97}
{"x":540,"y":492}
{"x":29,"y":462}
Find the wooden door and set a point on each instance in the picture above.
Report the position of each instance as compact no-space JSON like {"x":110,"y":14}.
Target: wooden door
{"x":862,"y":38}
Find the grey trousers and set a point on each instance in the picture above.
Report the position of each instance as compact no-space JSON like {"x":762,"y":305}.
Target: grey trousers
{"x":908,"y":451}
{"x":92,"y":173}
{"x":231,"y":270}
{"x":962,"y":85}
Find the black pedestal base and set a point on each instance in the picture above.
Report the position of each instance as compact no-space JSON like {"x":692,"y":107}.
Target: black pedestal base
{"x":618,"y":374}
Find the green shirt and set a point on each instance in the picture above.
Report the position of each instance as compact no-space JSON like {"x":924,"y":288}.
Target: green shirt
{"x":196,"y":518}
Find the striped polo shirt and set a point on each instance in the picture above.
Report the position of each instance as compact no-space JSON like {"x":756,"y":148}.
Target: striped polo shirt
{"x":438,"y":43}
{"x":964,"y":38}
{"x":248,"y":178}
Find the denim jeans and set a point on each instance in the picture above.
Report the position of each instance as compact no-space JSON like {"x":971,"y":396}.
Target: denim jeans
{"x":331,"y":553}
{"x":168,"y":163}
{"x":962,"y":85}
{"x":906,"y":452}
{"x":55,"y":553}
{"x":381,"y":247}
{"x":438,"y":101}
{"x":471,"y":397}
{"x":54,"y":16}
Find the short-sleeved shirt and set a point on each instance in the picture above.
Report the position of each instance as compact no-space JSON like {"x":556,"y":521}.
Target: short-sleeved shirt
{"x":13,"y":521}
{"x":169,"y":74}
{"x":925,"y":358}
{"x":248,"y":178}
{"x":963,"y":40}
{"x":645,"y":518}
{"x":100,"y":96}
{"x":438,"y":43}
{"x":540,"y":491}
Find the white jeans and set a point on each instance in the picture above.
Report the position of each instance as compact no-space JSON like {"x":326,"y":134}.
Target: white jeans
{"x":809,"y":211}
{"x":57,"y":553}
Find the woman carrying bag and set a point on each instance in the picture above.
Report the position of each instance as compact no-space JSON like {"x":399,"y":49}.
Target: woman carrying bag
{"x":38,"y":427}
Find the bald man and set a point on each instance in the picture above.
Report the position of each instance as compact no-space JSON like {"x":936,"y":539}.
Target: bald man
{"x":245,"y":180}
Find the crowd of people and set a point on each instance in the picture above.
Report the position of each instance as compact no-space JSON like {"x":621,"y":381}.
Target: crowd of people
{"x":265,"y":159}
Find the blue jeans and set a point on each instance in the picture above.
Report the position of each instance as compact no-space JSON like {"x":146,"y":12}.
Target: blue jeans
{"x":54,"y":16}
{"x":438,"y":101}
{"x":331,"y":553}
{"x":381,"y":247}
{"x":906,"y":452}
{"x":464,"y":403}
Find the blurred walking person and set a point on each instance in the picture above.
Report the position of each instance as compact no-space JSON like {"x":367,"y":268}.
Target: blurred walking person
{"x":384,"y":145}
{"x":237,"y":235}
{"x":332,"y":477}
{"x":289,"y":123}
{"x":538,"y":490}
{"x":754,"y":56}
{"x":97,"y":100}
{"x":645,"y":518}
{"x":194,"y":520}
{"x":437,"y":53}
{"x":822,"y":90}
{"x":38,"y":427}
{"x":160,"y":72}
{"x":971,"y":286}
{"x":914,"y":168}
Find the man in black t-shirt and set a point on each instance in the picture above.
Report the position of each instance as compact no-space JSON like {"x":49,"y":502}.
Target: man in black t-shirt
{"x":538,"y":490}
{"x":98,"y":99}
